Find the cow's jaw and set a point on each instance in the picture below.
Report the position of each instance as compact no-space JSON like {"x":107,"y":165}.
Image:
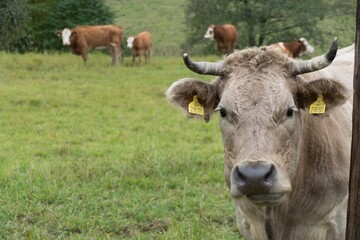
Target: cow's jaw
{"x":65,"y":35}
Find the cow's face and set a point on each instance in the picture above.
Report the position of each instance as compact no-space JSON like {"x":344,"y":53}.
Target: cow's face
{"x":260,"y":124}
{"x":261,"y":104}
{"x":130,"y":42}
{"x":65,"y":35}
{"x":210,"y":32}
{"x":307,"y":46}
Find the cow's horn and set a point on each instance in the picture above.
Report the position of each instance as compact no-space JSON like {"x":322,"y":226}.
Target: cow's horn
{"x":206,"y":68}
{"x":316,"y":63}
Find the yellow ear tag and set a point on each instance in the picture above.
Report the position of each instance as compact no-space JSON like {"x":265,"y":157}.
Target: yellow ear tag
{"x":318,"y":107}
{"x":195,"y":107}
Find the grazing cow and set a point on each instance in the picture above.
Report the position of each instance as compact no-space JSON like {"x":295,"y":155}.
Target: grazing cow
{"x":224,"y":35}
{"x":295,"y":48}
{"x":82,"y":39}
{"x":140,"y":44}
{"x":286,"y":154}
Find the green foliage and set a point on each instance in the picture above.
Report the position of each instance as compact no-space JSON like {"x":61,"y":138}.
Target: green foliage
{"x":14,"y":17}
{"x":68,"y":13}
{"x":262,"y":22}
{"x":40,"y":10}
{"x":96,"y":152}
{"x":339,"y":22}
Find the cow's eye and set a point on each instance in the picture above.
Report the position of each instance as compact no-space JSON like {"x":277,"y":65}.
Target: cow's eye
{"x":290,"y":112}
{"x":222,"y":112}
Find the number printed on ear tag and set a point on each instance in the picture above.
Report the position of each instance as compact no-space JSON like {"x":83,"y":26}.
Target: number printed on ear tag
{"x":195,"y":107}
{"x":318,"y":107}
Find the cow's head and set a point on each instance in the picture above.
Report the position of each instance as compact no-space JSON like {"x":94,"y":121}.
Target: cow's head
{"x":210,"y":32}
{"x":307,"y":47}
{"x":66,"y":35}
{"x":261,"y":101}
{"x":130,"y":42}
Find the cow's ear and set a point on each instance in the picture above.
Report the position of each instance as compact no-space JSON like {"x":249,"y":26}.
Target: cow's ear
{"x":58,"y":33}
{"x":184,"y":91}
{"x":328,"y":91}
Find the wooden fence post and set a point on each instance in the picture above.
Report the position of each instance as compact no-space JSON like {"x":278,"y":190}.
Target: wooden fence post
{"x":353,"y":213}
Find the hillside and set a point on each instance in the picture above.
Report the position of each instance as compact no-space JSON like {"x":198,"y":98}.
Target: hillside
{"x":164,"y":19}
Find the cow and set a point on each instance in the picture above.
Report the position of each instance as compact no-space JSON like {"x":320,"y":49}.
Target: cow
{"x":286,"y":131}
{"x":295,"y":48}
{"x":82,"y":39}
{"x":224,"y":35}
{"x":140,"y":45}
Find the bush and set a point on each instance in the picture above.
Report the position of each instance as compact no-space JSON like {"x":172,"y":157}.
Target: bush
{"x":14,"y":16}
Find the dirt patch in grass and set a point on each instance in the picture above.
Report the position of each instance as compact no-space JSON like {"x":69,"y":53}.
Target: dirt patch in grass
{"x":156,"y":226}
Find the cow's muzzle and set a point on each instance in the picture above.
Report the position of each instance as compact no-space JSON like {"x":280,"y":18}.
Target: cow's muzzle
{"x":255,"y":180}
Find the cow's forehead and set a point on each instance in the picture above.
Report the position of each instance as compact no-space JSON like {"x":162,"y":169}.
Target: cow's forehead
{"x":130,"y":39}
{"x":257,"y":77}
{"x":66,"y":33}
{"x":257,"y":61}
{"x":270,"y":92}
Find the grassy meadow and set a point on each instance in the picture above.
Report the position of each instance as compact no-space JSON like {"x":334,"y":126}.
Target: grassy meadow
{"x":97,"y":152}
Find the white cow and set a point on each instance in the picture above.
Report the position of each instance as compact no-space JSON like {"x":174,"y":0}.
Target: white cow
{"x":286,"y":129}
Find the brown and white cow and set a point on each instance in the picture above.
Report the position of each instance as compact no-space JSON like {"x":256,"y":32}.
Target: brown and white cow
{"x":286,"y":169}
{"x":82,"y":39}
{"x":140,"y":45}
{"x":224,"y":35}
{"x":295,"y":48}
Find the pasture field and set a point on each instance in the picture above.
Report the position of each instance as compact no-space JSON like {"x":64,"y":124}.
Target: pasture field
{"x":97,"y":152}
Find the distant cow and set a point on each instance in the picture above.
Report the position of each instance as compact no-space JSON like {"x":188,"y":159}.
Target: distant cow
{"x":224,"y":35}
{"x":82,"y":39}
{"x":295,"y":48}
{"x":286,"y":130}
{"x":140,"y":44}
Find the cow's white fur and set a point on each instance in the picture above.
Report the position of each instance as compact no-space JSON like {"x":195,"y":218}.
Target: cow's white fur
{"x":209,"y":33}
{"x":65,"y":35}
{"x":130,"y":42}
{"x":309,"y":48}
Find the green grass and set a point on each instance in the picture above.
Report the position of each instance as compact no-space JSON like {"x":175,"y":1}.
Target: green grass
{"x":96,"y":152}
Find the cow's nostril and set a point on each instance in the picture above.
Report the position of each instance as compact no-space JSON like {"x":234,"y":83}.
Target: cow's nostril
{"x":269,"y":177}
{"x":240,"y":176}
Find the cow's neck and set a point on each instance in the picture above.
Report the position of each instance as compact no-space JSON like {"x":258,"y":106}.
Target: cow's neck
{"x":268,"y":224}
{"x":294,"y":48}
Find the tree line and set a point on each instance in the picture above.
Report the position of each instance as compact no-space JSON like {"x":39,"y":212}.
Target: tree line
{"x":262,"y":22}
{"x":29,"y":25}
